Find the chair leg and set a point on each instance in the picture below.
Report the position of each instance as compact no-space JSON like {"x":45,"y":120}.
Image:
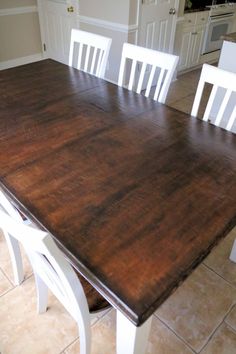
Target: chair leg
{"x":42,"y":294}
{"x":232,"y":256}
{"x":16,"y":259}
{"x":85,"y":339}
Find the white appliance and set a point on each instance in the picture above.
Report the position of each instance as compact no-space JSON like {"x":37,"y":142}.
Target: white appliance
{"x":220,"y":22}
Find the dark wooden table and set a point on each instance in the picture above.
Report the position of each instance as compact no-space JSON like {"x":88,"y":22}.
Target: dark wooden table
{"x":136,"y":193}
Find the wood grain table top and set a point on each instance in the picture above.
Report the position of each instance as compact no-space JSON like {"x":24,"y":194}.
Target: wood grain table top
{"x":136,"y":193}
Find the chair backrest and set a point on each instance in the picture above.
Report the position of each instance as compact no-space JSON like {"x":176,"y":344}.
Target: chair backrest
{"x":50,"y":265}
{"x":161,"y":68}
{"x":12,"y":243}
{"x":220,"y":79}
{"x":93,"y":51}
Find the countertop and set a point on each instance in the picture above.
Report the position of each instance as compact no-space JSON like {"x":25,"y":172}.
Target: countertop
{"x":198,"y":9}
{"x":231,"y":37}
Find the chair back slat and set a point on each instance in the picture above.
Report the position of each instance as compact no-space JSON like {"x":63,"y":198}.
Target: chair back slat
{"x":152,"y":59}
{"x":210,"y":103}
{"x":99,"y":64}
{"x":223,"y":107}
{"x":159,"y":82}
{"x":150,"y":81}
{"x":141,"y":77}
{"x":232,"y":119}
{"x":94,"y":59}
{"x":132,"y":75}
{"x":222,"y":97}
{"x":81,"y":47}
{"x":87,"y":58}
{"x":89,"y":44}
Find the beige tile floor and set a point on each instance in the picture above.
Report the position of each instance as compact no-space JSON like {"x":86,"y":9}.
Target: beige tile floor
{"x":200,"y":317}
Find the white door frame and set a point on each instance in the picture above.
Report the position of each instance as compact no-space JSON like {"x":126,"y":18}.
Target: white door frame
{"x":42,"y":28}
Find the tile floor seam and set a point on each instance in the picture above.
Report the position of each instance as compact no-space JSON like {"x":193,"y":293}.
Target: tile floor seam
{"x":7,"y":277}
{"x":176,"y":334}
{"x":179,"y":99}
{"x":231,"y":328}
{"x":92,"y":325}
{"x":13,"y":285}
{"x":210,"y":337}
{"x":212,"y":270}
{"x":65,"y":349}
{"x":6,"y":292}
{"x":216,"y":329}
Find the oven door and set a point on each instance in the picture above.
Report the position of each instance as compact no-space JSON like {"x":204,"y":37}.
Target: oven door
{"x":217,"y":27}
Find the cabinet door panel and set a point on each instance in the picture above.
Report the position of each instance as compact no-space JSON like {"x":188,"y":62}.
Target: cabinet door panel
{"x":196,"y":46}
{"x":185,"y":50}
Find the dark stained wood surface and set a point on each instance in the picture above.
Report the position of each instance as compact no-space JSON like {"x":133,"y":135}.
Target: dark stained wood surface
{"x":136,"y":193}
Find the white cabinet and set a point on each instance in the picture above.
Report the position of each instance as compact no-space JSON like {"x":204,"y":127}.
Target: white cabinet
{"x":192,"y":38}
{"x":184,"y":50}
{"x":197,"y":37}
{"x":191,"y":47}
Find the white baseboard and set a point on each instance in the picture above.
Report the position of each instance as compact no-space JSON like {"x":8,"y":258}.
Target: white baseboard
{"x":20,"y":61}
{"x":114,"y":26}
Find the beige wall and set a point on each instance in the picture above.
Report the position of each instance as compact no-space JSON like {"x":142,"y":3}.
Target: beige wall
{"x":133,"y":12}
{"x":19,"y":34}
{"x":7,"y":4}
{"x":108,"y":10}
{"x":118,"y":38}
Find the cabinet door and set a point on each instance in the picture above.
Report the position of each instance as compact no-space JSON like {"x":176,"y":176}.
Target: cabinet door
{"x":185,"y":49}
{"x":157,"y":24}
{"x":197,"y":37}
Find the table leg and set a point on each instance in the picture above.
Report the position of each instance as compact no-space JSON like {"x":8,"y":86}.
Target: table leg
{"x":129,"y":338}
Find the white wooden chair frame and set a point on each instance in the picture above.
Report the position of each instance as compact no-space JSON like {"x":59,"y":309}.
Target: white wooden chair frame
{"x":51,"y":270}
{"x":219,"y":78}
{"x":94,"y":63}
{"x":12,"y":243}
{"x":166,"y":62}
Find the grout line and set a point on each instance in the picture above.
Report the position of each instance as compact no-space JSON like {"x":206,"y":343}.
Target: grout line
{"x":229,"y":325}
{"x":98,"y":320}
{"x":219,"y":275}
{"x":179,"y":99}
{"x":64,"y":349}
{"x":217,"y":328}
{"x":13,"y":285}
{"x":176,"y":334}
{"x":214,"y":331}
{"x":9,"y":279}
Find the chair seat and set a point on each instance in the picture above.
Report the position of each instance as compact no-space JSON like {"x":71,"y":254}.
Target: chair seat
{"x":96,"y":302}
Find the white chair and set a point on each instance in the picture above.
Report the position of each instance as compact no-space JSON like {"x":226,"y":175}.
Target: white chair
{"x":162,"y":65}
{"x":12,"y":243}
{"x":52,"y":270}
{"x":93,"y":51}
{"x":220,"y":79}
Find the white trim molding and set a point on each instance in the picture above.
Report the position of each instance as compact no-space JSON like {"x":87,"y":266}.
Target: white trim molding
{"x":114,"y":26}
{"x":20,"y":61}
{"x":18,"y":10}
